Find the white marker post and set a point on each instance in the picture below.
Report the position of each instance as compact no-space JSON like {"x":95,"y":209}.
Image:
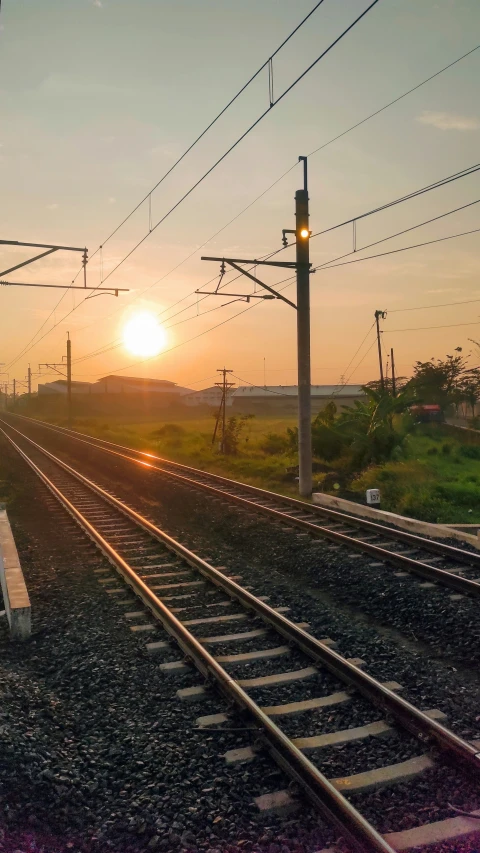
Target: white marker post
{"x":373,"y":497}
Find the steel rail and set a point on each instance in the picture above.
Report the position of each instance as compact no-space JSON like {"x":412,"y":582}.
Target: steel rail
{"x":406,"y":714}
{"x":418,"y":567}
{"x":468,"y":557}
{"x":316,"y":786}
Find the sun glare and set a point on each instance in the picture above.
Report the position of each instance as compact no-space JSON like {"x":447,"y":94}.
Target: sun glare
{"x":143,"y":335}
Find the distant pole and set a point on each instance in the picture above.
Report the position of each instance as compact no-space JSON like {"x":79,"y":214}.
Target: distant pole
{"x":14,"y":392}
{"x":222,"y":411}
{"x":379,"y":314}
{"x":394,"y":385}
{"x":264,"y":374}
{"x":69,"y":379}
{"x":29,"y":379}
{"x":302,"y":237}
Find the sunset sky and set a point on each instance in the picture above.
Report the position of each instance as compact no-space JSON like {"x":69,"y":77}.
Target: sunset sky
{"x":98,"y":99}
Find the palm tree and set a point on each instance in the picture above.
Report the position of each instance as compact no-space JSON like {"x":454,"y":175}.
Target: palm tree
{"x":369,"y":426}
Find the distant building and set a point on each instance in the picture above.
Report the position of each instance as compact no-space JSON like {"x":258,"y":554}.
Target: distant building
{"x":206,"y":397}
{"x":59,"y":386}
{"x":284,"y":398}
{"x":136,"y":385}
{"x":116,"y":385}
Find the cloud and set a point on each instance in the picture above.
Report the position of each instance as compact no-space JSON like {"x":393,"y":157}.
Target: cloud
{"x":449,"y":121}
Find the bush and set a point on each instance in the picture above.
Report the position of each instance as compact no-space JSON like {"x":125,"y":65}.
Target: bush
{"x":168,"y":431}
{"x":471,"y":451}
{"x":425,"y":506}
{"x":463,"y":494}
{"x":274,"y":444}
{"x":447,"y":448}
{"x":432,"y":451}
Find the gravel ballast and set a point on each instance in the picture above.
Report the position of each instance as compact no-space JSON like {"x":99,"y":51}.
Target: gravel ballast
{"x":272,"y":562}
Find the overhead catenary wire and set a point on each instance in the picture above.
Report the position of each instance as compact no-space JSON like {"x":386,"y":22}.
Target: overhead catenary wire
{"x":243,"y":136}
{"x":316,"y":150}
{"x":293,"y":166}
{"x":329,"y":265}
{"x":404,"y":249}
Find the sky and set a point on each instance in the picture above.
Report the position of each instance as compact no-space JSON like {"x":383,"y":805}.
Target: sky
{"x":99,"y":98}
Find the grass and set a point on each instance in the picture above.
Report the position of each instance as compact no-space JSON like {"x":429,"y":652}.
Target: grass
{"x":188,"y":440}
{"x":437,"y":480}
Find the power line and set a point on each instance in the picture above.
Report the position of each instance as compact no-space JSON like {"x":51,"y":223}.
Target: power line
{"x":397,"y":234}
{"x":316,"y":150}
{"x":245,"y":134}
{"x":424,"y":328}
{"x":440,"y":305}
{"x":262,"y":387}
{"x":214,"y":121}
{"x":342,"y":384}
{"x":395,"y":101}
{"x":405,"y":249}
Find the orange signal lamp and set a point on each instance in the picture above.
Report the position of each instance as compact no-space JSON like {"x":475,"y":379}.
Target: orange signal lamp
{"x":304,"y":233}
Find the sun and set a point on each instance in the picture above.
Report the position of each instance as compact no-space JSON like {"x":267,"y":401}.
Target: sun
{"x":143,"y":335}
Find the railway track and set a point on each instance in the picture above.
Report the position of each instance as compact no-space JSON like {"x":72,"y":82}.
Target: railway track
{"x":455,"y":568}
{"x":193,"y":601}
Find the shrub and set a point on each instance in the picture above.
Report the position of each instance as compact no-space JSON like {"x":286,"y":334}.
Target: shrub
{"x":432,"y":451}
{"x":447,"y":448}
{"x":425,"y":506}
{"x":168,"y":431}
{"x":471,"y":451}
{"x":274,"y":444}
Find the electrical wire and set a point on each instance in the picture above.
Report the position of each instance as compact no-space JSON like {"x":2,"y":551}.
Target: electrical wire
{"x":424,"y":328}
{"x":209,"y":126}
{"x":397,"y":234}
{"x":243,"y":136}
{"x":404,"y":249}
{"x":315,"y":151}
{"x":262,"y":387}
{"x":440,"y":305}
{"x":344,"y":373}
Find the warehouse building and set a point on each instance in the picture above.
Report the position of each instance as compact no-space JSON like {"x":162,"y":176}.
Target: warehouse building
{"x":284,"y":398}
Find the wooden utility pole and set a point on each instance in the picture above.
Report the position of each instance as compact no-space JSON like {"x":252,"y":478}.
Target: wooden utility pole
{"x":14,"y":392}
{"x":222,"y":411}
{"x":29,"y":381}
{"x":379,"y":314}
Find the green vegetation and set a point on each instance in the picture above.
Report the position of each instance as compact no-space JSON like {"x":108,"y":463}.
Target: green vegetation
{"x":420,"y":470}
{"x":437,"y":479}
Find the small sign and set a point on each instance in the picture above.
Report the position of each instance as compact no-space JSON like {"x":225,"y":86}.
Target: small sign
{"x":373,"y":496}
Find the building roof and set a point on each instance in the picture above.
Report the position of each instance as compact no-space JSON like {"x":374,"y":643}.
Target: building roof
{"x":126,"y":380}
{"x":211,"y":389}
{"x":252,"y":391}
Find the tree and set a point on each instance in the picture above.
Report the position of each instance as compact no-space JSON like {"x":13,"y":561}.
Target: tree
{"x":370,"y":426}
{"x":439,"y":381}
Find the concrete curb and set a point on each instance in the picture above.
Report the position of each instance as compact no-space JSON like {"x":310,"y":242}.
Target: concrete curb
{"x":422,"y":528}
{"x":15,"y":594}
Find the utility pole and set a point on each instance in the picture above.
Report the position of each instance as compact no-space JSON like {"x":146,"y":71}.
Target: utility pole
{"x":69,"y":380}
{"x":301,"y":266}
{"x":394,"y":386}
{"x":14,"y":392}
{"x":378,"y":315}
{"x":68,"y":374}
{"x":29,"y":380}
{"x":222,"y":411}
{"x":303,"y":337}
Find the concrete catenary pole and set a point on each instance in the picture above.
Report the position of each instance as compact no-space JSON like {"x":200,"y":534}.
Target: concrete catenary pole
{"x":302,"y":234}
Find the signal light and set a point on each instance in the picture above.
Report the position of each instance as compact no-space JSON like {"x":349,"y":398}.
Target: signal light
{"x":304,"y":233}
